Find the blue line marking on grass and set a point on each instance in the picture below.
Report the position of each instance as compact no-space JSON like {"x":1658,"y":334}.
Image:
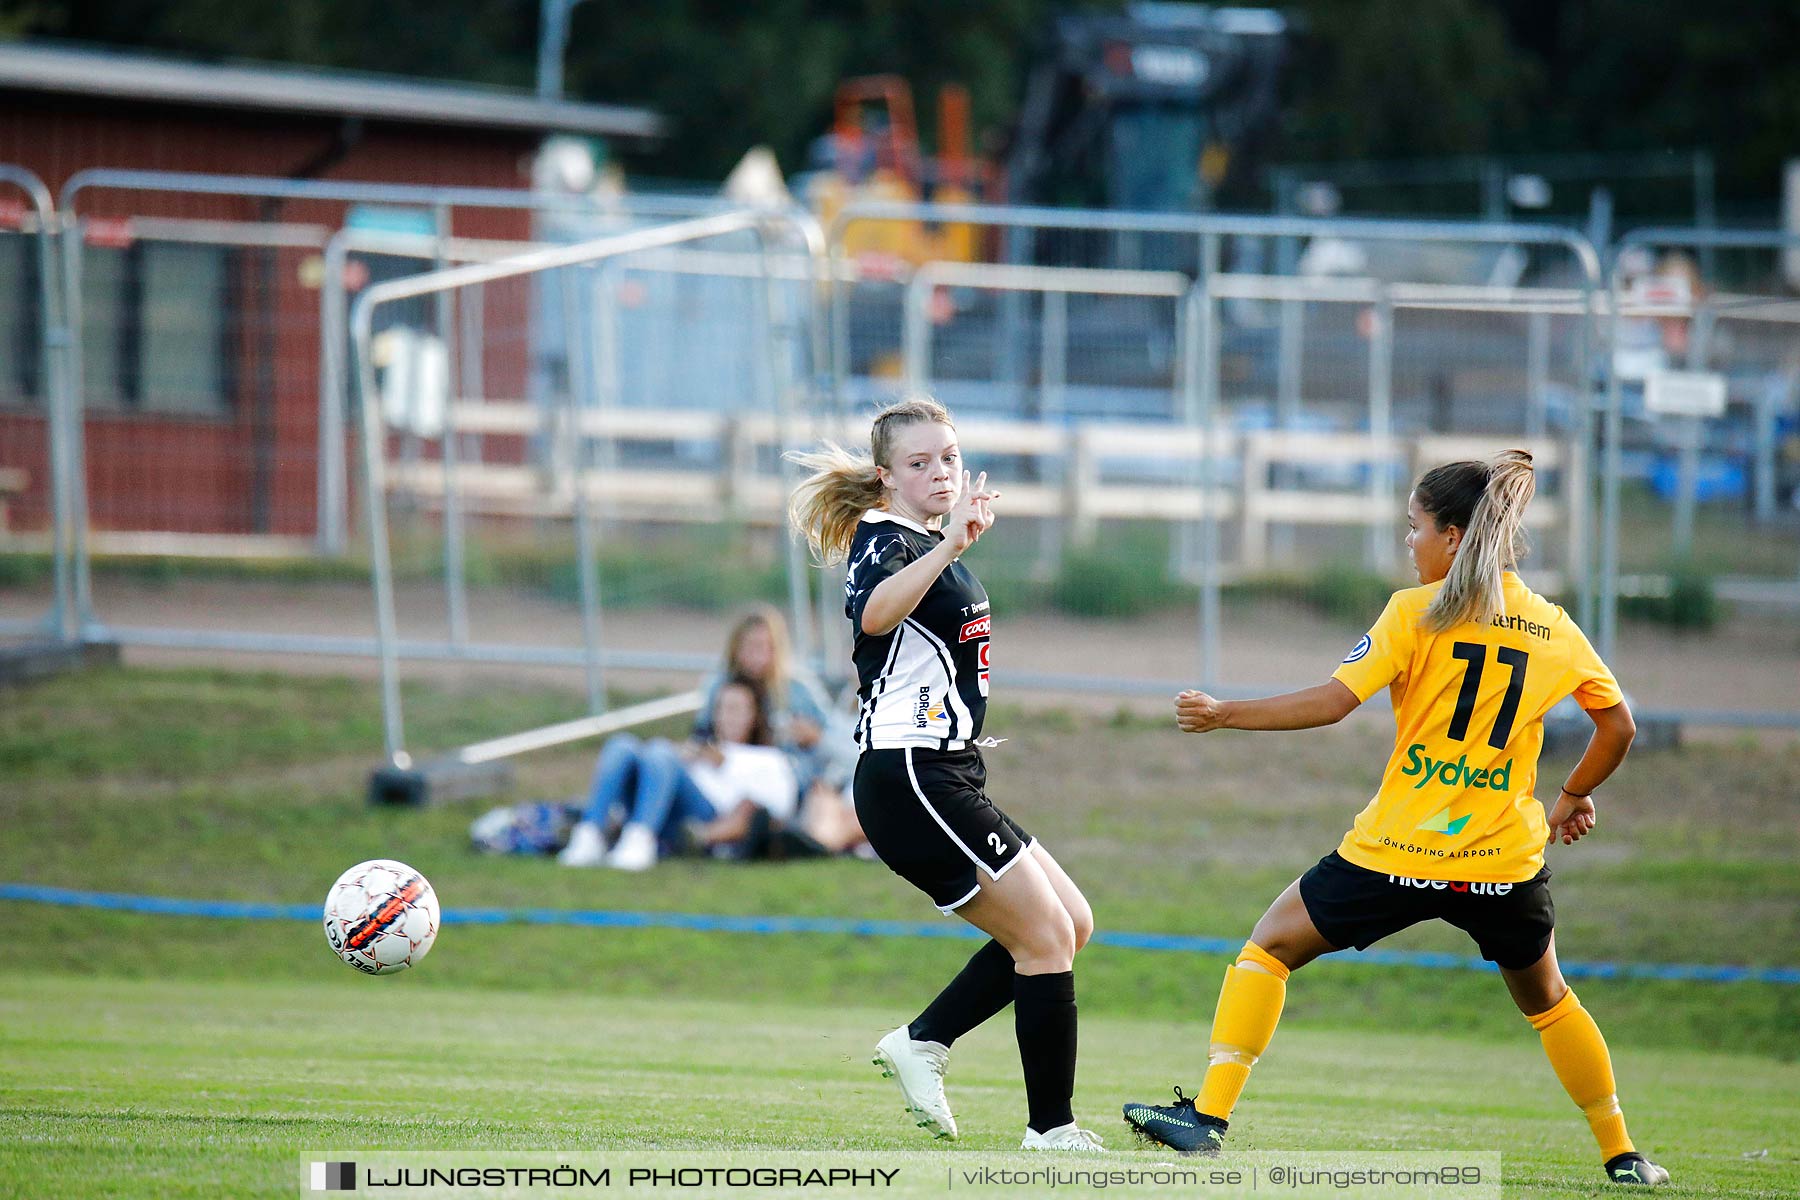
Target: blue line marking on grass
{"x":711,"y":923}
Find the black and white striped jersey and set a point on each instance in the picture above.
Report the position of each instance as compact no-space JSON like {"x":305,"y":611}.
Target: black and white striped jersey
{"x":924,"y":683}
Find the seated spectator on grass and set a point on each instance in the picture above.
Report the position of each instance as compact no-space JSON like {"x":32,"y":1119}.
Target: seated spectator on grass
{"x":827,"y":815}
{"x":820,"y":739}
{"x":660,"y":796}
{"x":799,"y":711}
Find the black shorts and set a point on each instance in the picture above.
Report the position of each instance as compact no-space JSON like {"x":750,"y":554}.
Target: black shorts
{"x":1352,"y":906}
{"x":926,"y":814}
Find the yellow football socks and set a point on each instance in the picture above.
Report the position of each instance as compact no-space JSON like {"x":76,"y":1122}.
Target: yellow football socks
{"x":1578,"y":1055}
{"x":1249,"y":1007}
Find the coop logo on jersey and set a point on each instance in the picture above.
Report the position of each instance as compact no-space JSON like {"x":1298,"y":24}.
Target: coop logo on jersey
{"x":978,"y":628}
{"x":1454,"y":773}
{"x":1359,"y":651}
{"x":333,"y":1176}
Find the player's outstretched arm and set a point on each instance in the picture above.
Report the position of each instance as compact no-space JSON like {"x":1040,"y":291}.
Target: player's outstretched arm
{"x":1327,"y":704}
{"x":1573,"y":815}
{"x":895,"y":597}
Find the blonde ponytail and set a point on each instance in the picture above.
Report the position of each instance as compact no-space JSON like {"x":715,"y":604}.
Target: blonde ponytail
{"x":844,"y":485}
{"x":829,"y":502}
{"x":1493,"y":533}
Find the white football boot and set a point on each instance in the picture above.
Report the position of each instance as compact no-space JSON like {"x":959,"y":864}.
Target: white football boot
{"x":918,"y":1067}
{"x":1063,"y":1137}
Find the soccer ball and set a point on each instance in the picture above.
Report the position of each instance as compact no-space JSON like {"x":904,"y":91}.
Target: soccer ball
{"x":381,"y":916}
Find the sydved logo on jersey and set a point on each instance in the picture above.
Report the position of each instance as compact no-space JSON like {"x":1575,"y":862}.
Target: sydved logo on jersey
{"x":1454,"y":773}
{"x":1359,"y":651}
{"x":979,"y":627}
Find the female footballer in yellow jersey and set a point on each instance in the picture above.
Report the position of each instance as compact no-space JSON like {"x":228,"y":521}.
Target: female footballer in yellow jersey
{"x":1472,"y":661}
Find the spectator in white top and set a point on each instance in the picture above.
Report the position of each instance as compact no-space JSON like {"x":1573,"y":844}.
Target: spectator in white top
{"x":819,"y":737}
{"x":714,"y":786}
{"x":800,"y":718}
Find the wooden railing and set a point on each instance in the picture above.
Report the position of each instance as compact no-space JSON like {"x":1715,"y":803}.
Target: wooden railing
{"x":1245,"y":490}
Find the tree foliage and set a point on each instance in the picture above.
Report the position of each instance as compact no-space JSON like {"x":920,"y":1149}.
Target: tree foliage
{"x":1371,"y":78}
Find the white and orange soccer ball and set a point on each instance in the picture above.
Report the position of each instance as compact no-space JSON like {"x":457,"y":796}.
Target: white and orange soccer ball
{"x":381,"y":916}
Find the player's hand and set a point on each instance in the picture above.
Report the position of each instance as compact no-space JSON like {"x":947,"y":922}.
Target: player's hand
{"x":1197,"y":712}
{"x":1572,"y":819}
{"x":972,"y":515}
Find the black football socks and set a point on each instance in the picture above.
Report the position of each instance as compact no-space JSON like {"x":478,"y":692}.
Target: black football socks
{"x":980,"y":990}
{"x":1044,"y":1016}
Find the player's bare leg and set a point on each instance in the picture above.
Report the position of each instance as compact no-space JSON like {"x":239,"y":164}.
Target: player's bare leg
{"x":1081,"y":915}
{"x":1287,"y":932}
{"x":1024,"y":911}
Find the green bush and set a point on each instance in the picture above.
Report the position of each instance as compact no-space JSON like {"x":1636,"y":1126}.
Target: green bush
{"x":1347,"y":592}
{"x":1127,"y":577}
{"x":1342,"y":591}
{"x":23,"y":570}
{"x":1688,"y":602}
{"x":708,"y":569}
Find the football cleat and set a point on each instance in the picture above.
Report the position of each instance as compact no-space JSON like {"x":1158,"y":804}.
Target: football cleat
{"x":1063,"y":1137}
{"x":1179,"y":1126}
{"x":918,"y":1067}
{"x":1632,"y":1169}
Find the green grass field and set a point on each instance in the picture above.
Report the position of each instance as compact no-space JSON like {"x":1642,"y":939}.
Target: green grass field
{"x":110,"y":1087}
{"x":146,"y":1055}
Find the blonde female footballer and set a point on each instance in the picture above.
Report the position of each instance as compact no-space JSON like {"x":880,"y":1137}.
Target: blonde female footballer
{"x":1472,"y":659}
{"x":904,"y":517}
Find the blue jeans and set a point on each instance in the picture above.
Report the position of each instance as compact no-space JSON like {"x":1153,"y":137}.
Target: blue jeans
{"x":646,"y":783}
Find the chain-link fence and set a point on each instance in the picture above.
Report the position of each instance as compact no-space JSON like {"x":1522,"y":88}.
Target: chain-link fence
{"x":603,"y":453}
{"x":1205,"y":427}
{"x":205,"y":354}
{"x":1702,"y":472}
{"x":1213,"y":432}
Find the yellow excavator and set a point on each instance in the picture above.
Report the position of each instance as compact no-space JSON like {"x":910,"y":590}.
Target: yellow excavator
{"x":1154,"y":108}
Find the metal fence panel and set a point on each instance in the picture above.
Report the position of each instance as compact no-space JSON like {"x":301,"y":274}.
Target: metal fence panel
{"x":1322,"y":391}
{"x":207,"y":341}
{"x":37,"y":593}
{"x":565,"y":483}
{"x":1243,"y":429}
{"x":1702,"y":512}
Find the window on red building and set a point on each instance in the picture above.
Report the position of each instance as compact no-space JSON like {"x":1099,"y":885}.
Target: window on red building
{"x":21,"y":360}
{"x":158,"y":328}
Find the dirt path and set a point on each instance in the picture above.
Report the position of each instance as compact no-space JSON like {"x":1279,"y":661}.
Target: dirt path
{"x":1752,"y":662}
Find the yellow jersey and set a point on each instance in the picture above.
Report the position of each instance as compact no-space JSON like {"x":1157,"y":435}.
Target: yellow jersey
{"x":1456,"y":798}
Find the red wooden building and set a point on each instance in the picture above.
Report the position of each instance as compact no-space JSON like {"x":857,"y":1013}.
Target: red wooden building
{"x":200,"y":346}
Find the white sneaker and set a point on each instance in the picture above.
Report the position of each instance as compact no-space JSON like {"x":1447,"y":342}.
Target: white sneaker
{"x":1063,"y":1137}
{"x":635,"y":849}
{"x":586,"y":848}
{"x":918,"y":1067}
